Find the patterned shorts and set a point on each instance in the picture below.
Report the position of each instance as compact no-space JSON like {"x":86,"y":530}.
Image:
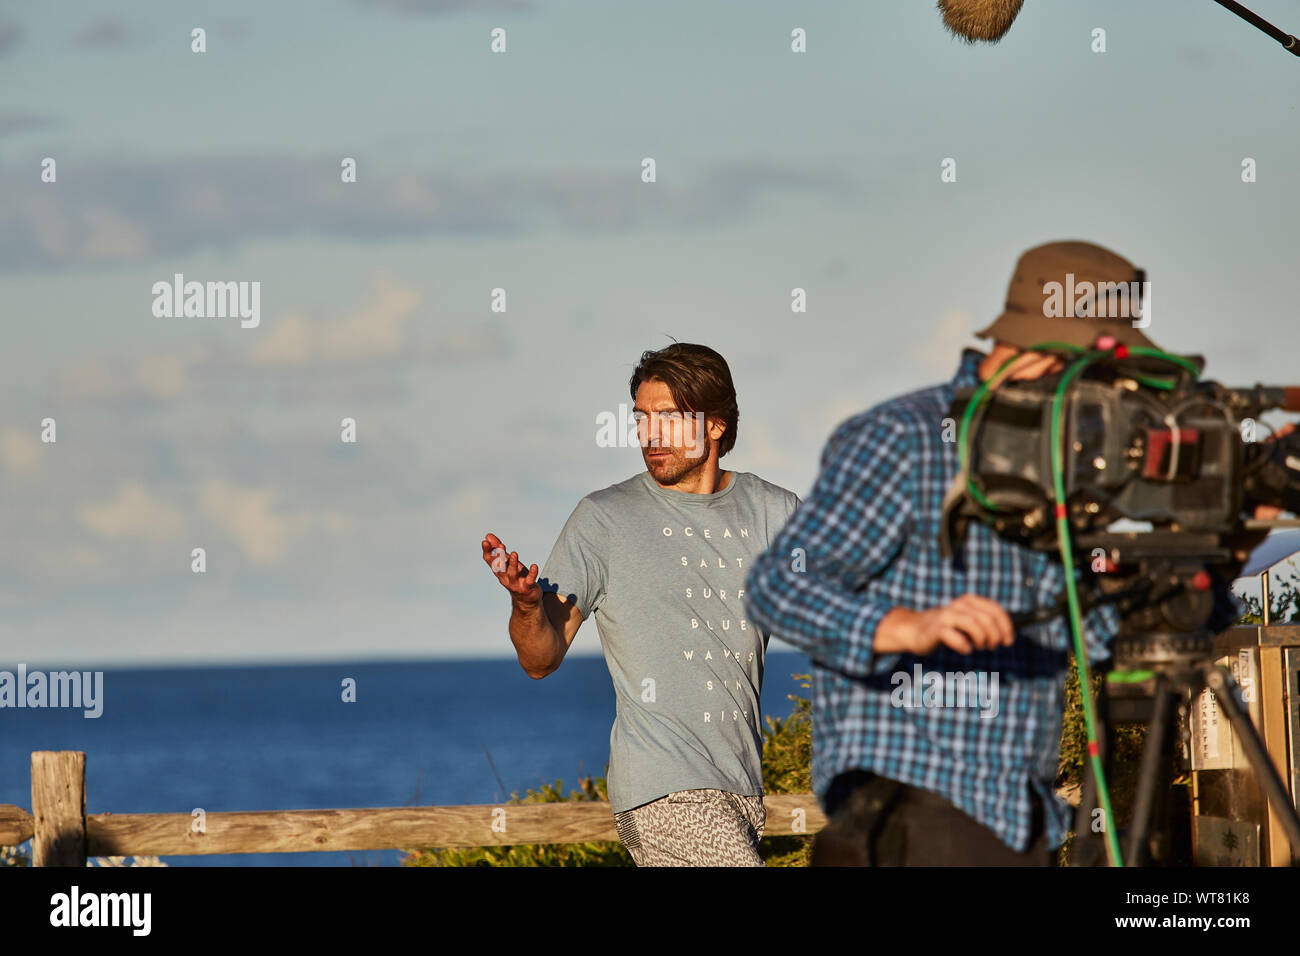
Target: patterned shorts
{"x":694,"y":828}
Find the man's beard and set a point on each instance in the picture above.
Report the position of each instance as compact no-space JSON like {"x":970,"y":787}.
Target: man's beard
{"x":672,"y":470}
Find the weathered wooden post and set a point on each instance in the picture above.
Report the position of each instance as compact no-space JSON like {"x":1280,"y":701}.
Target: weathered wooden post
{"x":59,"y":808}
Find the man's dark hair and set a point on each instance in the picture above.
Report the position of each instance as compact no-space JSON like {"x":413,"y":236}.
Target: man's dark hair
{"x":699,"y":381}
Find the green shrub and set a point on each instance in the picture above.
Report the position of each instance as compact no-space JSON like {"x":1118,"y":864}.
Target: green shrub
{"x":1284,"y":601}
{"x":787,"y":768}
{"x":1074,"y":733}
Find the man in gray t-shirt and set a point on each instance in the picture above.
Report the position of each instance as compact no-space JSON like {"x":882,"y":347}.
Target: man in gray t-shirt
{"x":661,"y":559}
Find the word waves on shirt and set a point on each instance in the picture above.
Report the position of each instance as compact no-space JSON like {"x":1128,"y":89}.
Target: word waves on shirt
{"x":726,"y":653}
{"x":212,"y":300}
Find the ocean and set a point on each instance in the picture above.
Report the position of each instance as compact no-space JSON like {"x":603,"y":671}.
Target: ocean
{"x":281,"y":738}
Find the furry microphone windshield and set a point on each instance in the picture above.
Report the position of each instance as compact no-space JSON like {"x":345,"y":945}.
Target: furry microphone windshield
{"x":985,"y":20}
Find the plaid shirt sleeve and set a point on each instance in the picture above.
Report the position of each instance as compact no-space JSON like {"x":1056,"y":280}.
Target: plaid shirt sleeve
{"x":808,"y":587}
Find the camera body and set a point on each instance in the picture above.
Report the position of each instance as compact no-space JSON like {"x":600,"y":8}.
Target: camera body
{"x":1175,"y":460}
{"x":1167,"y":452}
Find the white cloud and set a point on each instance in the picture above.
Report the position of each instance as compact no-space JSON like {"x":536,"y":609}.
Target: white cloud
{"x":246,"y":516}
{"x":111,"y":236}
{"x":20,"y":451}
{"x":134,"y":512}
{"x":163,"y":374}
{"x":376,"y":329}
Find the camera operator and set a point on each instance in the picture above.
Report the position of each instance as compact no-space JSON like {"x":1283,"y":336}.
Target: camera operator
{"x":916,"y":775}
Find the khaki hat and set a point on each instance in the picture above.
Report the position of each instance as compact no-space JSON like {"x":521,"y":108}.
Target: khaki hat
{"x":1080,"y":308}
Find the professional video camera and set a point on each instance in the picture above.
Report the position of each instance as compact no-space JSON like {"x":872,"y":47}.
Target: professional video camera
{"x":1140,"y":443}
{"x":1141,"y":438}
{"x":1133,"y":433}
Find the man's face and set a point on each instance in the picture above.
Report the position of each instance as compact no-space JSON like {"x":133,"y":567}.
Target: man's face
{"x":674,"y":443}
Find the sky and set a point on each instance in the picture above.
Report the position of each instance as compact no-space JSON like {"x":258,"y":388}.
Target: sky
{"x":522,"y":170}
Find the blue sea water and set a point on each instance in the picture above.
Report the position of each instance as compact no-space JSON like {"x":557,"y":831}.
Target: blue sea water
{"x":281,"y":738}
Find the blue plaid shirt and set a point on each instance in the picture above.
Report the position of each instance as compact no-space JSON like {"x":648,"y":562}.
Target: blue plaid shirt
{"x":869,"y":534}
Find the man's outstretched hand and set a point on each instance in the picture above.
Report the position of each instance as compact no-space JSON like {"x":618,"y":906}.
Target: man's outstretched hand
{"x":519,"y":580}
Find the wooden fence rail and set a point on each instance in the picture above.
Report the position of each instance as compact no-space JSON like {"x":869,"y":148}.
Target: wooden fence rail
{"x":63,"y":835}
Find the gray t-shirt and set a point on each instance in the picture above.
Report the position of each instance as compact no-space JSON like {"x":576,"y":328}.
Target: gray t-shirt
{"x":664,"y":573}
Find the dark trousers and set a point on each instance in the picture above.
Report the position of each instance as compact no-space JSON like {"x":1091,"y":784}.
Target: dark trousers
{"x":875,"y":821}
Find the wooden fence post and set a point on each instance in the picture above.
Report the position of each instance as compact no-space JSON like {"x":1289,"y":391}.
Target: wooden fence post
{"x":59,"y":808}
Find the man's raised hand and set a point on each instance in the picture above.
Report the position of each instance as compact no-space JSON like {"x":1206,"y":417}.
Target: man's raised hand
{"x":519,"y":580}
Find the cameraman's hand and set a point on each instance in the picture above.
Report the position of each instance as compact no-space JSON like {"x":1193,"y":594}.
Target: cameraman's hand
{"x":967,"y":624}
